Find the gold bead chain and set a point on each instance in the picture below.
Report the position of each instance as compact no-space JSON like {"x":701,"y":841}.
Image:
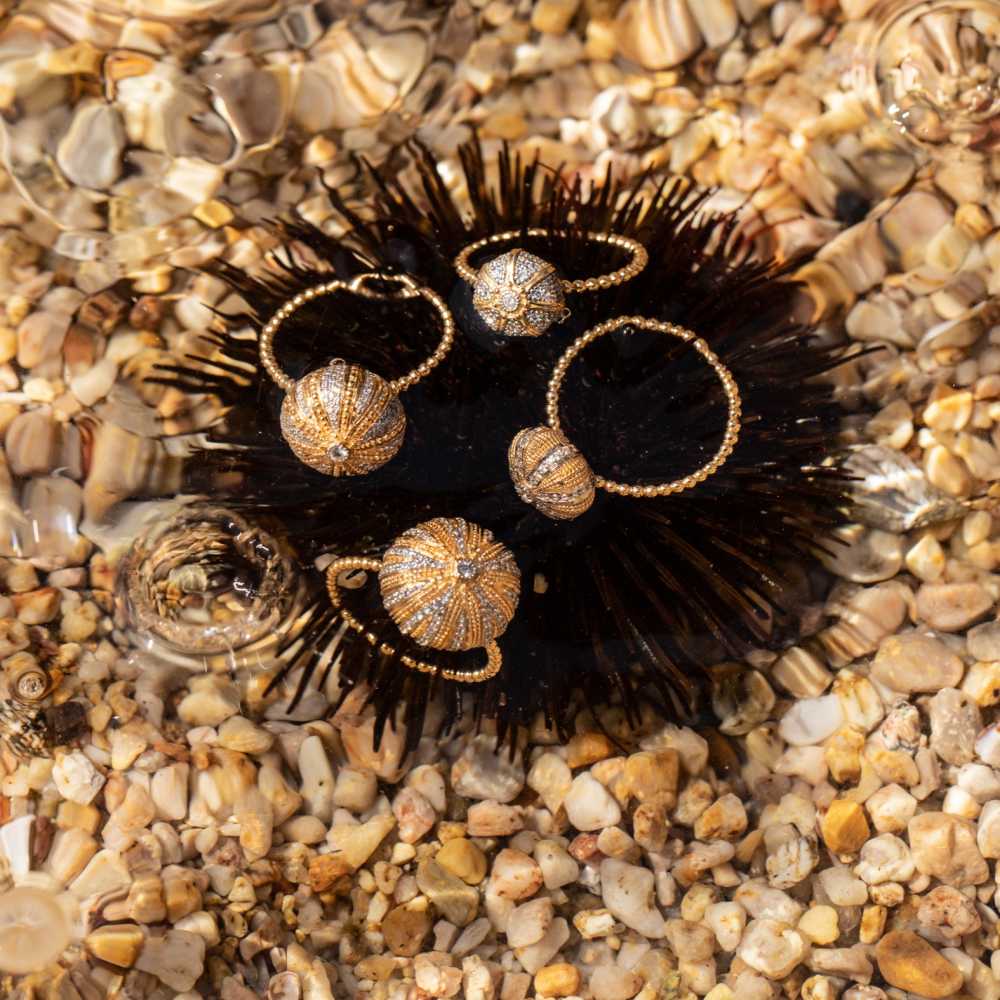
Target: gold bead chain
{"x":639,"y":258}
{"x":732,"y":391}
{"x":359,"y":286}
{"x":494,"y":658}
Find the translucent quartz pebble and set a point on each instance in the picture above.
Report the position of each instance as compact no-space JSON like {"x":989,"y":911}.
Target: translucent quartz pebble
{"x":34,"y":930}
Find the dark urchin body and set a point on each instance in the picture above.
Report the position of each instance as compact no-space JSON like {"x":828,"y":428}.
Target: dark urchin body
{"x":631,"y":601}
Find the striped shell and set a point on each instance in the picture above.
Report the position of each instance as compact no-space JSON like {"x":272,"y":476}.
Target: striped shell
{"x":518,"y":294}
{"x":449,"y":584}
{"x":343,"y":420}
{"x":550,"y":474}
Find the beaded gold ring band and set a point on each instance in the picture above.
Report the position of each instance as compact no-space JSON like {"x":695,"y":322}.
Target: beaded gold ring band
{"x":448,"y":585}
{"x":549,"y":472}
{"x":342,"y":419}
{"x":521,"y":295}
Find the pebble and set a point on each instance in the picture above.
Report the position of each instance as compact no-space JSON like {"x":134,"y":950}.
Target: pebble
{"x":177,"y":959}
{"x":316,"y":778}
{"x":515,"y":875}
{"x":559,"y":980}
{"x":944,"y":847}
{"x":528,"y":922}
{"x":914,"y":662}
{"x":909,"y":963}
{"x":772,"y":948}
{"x":463,"y":858}
{"x":955,"y":723}
{"x":453,"y":899}
{"x":76,"y":778}
{"x":589,"y":805}
{"x":557,"y":865}
{"x":950,"y":607}
{"x":628,"y":891}
{"x":820,"y":924}
{"x":405,"y":929}
{"x":844,"y":827}
{"x":480,"y":772}
{"x":212,"y":700}
{"x":811,"y":720}
{"x":983,"y":641}
{"x":610,"y":982}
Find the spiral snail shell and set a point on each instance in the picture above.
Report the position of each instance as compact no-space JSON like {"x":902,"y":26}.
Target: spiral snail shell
{"x":27,"y":680}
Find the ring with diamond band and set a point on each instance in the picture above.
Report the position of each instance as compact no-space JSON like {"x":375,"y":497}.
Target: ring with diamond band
{"x":550,"y":474}
{"x":447,"y":584}
{"x":521,"y":295}
{"x":342,"y":419}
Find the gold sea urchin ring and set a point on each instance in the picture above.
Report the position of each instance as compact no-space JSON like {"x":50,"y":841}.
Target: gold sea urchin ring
{"x":342,"y":419}
{"x":550,"y":473}
{"x":448,"y":585}
{"x":521,"y":295}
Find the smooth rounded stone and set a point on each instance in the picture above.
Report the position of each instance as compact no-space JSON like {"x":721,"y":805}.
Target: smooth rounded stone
{"x":760,"y":900}
{"x":589,"y":805}
{"x":95,"y":383}
{"x":536,"y":956}
{"x":70,"y":853}
{"x":859,"y":699}
{"x":844,"y":827}
{"x":359,"y":841}
{"x":494,"y":819}
{"x":528,"y":922}
{"x":40,"y":336}
{"x":212,"y":700}
{"x":611,"y":982}
{"x":811,"y":720}
{"x":652,"y":776}
{"x":629,"y":893}
{"x":915,"y":662}
{"x":558,"y":980}
{"x":90,"y":153}
{"x":243,"y":735}
{"x":909,"y":963}
{"x":987,"y":745}
{"x":429,"y":781}
{"x":656,"y":34}
{"x":820,"y":924}
{"x":463,"y":858}
{"x":980,"y":781}
{"x":949,"y":912}
{"x":743,"y":704}
{"x":414,"y":814}
{"x":891,"y":808}
{"x":951,"y":607}
{"x":870,"y":556}
{"x":982,"y":683}
{"x":453,"y":899}
{"x":724,"y":819}
{"x":983,"y":641}
{"x":356,"y":788}
{"x":284,"y":800}
{"x":801,"y":673}
{"x":405,"y":928}
{"x":483,"y":772}
{"x":304,"y":830}
{"x":926,"y":559}
{"x":955,"y":723}
{"x":117,"y":944}
{"x":988,"y":830}
{"x":515,"y":875}
{"x":558,"y":866}
{"x":105,"y":872}
{"x":944,"y":847}
{"x":842,"y":755}
{"x":772,"y":948}
{"x":885,"y":858}
{"x":727,"y":921}
{"x":316,"y":778}
{"x":790,"y":857}
{"x":76,"y":778}
{"x":551,"y":777}
{"x":177,"y":959}
{"x":842,"y":887}
{"x":690,"y":941}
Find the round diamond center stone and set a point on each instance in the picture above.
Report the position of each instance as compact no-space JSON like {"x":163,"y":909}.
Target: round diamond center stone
{"x":466,"y":569}
{"x":510,"y":300}
{"x":337,"y":452}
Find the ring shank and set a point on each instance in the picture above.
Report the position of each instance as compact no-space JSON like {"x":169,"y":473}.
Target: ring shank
{"x":359,"y":286}
{"x":733,"y":421}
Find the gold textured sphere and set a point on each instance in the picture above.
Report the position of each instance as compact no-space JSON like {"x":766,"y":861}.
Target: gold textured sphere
{"x":343,"y":420}
{"x":550,"y":474}
{"x":449,"y":584}
{"x":518,"y":294}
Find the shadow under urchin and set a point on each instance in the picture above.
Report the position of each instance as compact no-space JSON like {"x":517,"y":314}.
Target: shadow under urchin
{"x":628,"y":604}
